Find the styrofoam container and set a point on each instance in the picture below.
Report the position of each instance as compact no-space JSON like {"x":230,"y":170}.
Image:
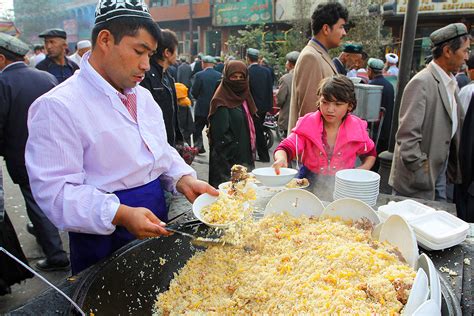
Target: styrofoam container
{"x":440,"y":227}
{"x":408,"y":209}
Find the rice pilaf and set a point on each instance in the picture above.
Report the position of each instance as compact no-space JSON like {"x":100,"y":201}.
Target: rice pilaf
{"x":287,"y":265}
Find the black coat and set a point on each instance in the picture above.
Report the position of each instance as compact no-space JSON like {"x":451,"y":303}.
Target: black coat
{"x":161,"y":86}
{"x":261,"y":87}
{"x":203,"y":89}
{"x":20,"y":86}
{"x":388,"y":99}
{"x":464,"y":192}
{"x":341,"y":69}
{"x":184,"y":74}
{"x":50,"y":66}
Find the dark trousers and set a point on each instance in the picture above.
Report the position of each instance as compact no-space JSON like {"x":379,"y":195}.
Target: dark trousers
{"x":199,"y":123}
{"x":47,"y":234}
{"x":262,"y":149}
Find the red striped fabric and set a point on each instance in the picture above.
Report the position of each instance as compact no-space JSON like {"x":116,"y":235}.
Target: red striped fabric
{"x":130,"y":102}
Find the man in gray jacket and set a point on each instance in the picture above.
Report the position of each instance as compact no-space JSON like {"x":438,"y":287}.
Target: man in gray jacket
{"x":283,"y":95}
{"x":431,"y":115}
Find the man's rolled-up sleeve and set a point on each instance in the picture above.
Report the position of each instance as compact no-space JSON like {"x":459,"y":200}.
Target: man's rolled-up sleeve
{"x":54,"y":160}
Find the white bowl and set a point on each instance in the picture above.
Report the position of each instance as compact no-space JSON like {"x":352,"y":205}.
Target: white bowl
{"x":354,"y":209}
{"x":397,"y":232}
{"x":269,"y":178}
{"x":425,"y":263}
{"x":295,"y":202}
{"x":205,"y":200}
{"x":418,"y":294}
{"x":358,"y":176}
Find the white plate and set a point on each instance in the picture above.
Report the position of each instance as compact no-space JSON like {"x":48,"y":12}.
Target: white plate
{"x":418,"y":294}
{"x":396,"y":231}
{"x":205,"y":200}
{"x":425,"y":263}
{"x":296,"y":202}
{"x":348,"y":208}
{"x":428,"y":308}
{"x":357,"y":176}
{"x":371,"y":202}
{"x":269,"y":178}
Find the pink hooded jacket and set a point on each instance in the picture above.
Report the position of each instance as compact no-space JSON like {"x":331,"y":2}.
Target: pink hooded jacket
{"x":352,"y":140}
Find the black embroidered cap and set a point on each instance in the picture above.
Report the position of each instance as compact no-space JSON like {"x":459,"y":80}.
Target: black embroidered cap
{"x":107,"y":10}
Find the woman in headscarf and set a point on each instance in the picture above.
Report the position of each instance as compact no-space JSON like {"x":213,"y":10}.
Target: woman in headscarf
{"x":231,"y":130}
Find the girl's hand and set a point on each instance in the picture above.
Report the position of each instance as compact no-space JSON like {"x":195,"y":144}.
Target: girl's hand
{"x":281,"y":161}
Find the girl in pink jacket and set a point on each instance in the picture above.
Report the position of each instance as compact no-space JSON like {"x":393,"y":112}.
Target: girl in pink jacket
{"x":331,"y":138}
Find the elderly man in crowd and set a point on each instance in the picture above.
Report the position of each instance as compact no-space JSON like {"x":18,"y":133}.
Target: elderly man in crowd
{"x":315,"y":64}
{"x":82,"y":47}
{"x":431,"y":115}
{"x":349,"y":59}
{"x":375,"y":74}
{"x":56,"y":62}
{"x":391,"y":68}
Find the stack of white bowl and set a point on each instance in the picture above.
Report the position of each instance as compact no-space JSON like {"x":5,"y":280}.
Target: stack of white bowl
{"x":358,"y":184}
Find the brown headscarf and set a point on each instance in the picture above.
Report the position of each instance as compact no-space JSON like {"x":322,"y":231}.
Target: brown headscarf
{"x":232,"y":94}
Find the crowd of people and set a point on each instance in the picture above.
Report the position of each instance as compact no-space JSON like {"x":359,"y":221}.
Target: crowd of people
{"x":94,"y":150}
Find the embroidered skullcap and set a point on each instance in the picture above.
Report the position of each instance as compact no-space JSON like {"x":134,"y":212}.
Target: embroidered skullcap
{"x":375,"y":63}
{"x":13,"y":45}
{"x":448,"y":33}
{"x":107,"y":10}
{"x":84,"y":44}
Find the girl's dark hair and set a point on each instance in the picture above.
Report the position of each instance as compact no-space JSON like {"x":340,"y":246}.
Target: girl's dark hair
{"x":328,"y":13}
{"x":338,"y":88}
{"x":168,"y":41}
{"x":129,"y":26}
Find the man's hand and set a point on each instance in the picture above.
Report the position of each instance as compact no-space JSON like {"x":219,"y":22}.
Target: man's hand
{"x":192,"y":188}
{"x":140,"y":222}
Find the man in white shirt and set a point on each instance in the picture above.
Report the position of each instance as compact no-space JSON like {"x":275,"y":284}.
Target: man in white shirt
{"x":82,"y":47}
{"x":38,"y":55}
{"x":465,"y":95}
{"x":97,"y":154}
{"x":428,"y":136}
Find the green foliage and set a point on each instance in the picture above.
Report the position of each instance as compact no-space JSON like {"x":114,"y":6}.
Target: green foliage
{"x":366,"y":27}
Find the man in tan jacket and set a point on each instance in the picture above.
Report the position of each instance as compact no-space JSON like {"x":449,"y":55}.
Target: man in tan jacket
{"x":314,"y":63}
{"x":431,"y":116}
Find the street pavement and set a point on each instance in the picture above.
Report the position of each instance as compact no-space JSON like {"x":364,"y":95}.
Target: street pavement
{"x":15,"y":206}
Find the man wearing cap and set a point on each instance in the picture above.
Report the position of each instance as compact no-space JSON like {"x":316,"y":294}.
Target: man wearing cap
{"x":82,"y":47}
{"x":375,"y":73}
{"x":392,"y":69}
{"x":203,"y":88}
{"x":350,"y":58}
{"x":20,"y":85}
{"x":261,"y":89}
{"x":314,"y":63}
{"x":431,"y":115}
{"x":97,"y":154}
{"x":283,"y":95}
{"x":56,"y":62}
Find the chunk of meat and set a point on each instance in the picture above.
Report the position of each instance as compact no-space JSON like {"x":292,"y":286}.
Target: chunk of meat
{"x":402,"y":289}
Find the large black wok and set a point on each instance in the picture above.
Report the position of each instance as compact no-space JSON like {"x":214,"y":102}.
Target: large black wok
{"x":127,"y":283}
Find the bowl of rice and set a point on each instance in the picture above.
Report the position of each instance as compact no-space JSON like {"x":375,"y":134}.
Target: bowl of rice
{"x":219,"y":211}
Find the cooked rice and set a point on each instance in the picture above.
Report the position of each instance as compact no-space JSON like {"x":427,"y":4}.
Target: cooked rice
{"x":224,"y":211}
{"x":287,"y":265}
